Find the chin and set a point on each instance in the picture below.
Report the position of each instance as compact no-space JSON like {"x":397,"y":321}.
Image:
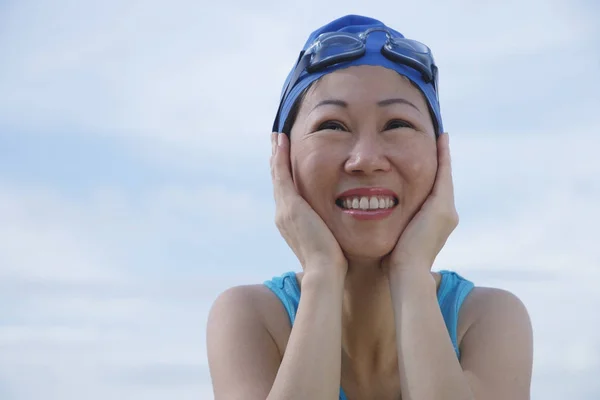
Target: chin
{"x":367,"y":250}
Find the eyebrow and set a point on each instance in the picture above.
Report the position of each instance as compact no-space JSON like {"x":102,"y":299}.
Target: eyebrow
{"x":382,"y":103}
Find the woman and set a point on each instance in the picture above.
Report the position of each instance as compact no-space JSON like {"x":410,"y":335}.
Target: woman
{"x":364,"y":198}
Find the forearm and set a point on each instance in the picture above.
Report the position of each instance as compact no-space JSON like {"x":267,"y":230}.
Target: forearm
{"x":429,"y":368}
{"x":311,"y":366}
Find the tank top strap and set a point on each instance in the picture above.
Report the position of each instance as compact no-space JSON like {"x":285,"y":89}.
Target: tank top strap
{"x":451,"y":294}
{"x":287,"y":290}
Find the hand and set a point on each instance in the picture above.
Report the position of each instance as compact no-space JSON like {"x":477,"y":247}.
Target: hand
{"x":304,"y":231}
{"x":427,"y":232}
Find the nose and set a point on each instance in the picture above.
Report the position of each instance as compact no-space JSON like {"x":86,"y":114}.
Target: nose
{"x":368,"y":156}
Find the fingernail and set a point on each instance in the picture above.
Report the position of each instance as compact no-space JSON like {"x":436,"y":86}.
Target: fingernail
{"x":280,"y":139}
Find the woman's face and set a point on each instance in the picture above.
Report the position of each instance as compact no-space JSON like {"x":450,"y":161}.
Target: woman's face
{"x":363,"y":154}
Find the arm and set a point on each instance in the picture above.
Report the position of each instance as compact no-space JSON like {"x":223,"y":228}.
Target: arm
{"x":496,"y":351}
{"x":427,"y":362}
{"x":245,"y":362}
{"x":497,"y":347}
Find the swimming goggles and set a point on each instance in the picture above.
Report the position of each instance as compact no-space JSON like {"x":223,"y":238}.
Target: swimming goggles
{"x":337,"y":47}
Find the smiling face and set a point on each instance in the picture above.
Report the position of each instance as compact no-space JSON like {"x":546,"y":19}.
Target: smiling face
{"x":363,"y":155}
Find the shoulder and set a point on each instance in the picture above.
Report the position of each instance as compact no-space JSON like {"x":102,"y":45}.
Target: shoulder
{"x":241,"y":299}
{"x":243,"y":344}
{"x":250,"y":308}
{"x":485,"y":303}
{"x":497,"y":344}
{"x":497,"y":320}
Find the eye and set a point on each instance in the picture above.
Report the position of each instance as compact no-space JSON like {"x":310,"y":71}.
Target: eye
{"x":331,"y":126}
{"x":398,"y":124}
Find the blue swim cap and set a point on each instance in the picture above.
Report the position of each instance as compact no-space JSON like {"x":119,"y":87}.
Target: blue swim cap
{"x":373,"y":56}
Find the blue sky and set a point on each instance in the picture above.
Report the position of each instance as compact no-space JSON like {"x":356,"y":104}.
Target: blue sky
{"x":134,"y":181}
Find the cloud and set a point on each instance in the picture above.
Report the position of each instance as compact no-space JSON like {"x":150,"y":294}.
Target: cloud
{"x":113,"y":222}
{"x":148,"y":316}
{"x":35,"y":244}
{"x":132,"y":72}
{"x":134,"y":158}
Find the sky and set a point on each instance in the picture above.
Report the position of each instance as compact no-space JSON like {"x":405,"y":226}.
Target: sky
{"x":135,"y":184}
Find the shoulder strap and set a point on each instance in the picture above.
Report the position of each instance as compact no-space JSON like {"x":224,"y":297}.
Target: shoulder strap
{"x":451,"y":294}
{"x":287,"y":290}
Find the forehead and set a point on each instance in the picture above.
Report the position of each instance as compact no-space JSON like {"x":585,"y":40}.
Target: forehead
{"x":365,"y":83}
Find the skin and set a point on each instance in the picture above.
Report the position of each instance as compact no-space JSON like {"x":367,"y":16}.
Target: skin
{"x":359,"y":149}
{"x":368,"y":292}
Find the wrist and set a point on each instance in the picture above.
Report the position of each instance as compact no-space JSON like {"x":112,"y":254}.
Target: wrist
{"x":326,"y":266}
{"x":415,"y":278}
{"x":321,"y":275}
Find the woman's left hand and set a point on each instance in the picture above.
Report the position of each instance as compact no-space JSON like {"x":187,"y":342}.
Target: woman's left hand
{"x":427,"y":232}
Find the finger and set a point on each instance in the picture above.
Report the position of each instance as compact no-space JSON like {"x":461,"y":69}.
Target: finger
{"x":443,"y":181}
{"x":282,"y":176}
{"x":273,"y":148}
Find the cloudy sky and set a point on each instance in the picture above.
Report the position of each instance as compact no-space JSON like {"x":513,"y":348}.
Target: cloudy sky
{"x":134,"y":180}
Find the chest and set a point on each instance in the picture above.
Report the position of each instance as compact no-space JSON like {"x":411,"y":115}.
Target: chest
{"x":381,"y":387}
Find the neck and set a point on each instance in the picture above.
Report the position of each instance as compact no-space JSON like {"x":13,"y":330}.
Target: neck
{"x":368,"y":341}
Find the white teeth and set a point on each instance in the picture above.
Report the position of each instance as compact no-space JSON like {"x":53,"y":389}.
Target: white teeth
{"x":364,"y":203}
{"x":374,"y":202}
{"x":368,"y":203}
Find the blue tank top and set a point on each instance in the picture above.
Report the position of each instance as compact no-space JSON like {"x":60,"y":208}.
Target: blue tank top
{"x":451,"y":293}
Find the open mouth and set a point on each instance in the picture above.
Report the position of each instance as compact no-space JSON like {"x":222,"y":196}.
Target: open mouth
{"x":367,"y":203}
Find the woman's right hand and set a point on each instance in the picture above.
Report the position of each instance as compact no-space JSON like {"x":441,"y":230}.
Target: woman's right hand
{"x":302,"y":228}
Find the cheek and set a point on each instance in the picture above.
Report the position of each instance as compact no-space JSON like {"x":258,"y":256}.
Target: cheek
{"x":420,"y":168}
{"x":418,"y":164}
{"x":313,"y":172}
